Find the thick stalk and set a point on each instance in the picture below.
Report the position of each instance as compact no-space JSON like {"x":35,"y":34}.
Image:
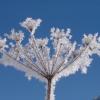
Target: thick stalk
{"x":49,"y":90}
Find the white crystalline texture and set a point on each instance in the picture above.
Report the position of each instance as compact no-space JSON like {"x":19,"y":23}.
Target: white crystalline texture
{"x":42,"y":42}
{"x":3,"y":44}
{"x":38,"y":60}
{"x":17,"y":36}
{"x":31,"y":24}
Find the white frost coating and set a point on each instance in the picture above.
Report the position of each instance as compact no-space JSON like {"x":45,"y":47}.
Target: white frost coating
{"x":31,"y":25}
{"x":8,"y":61}
{"x":45,"y":63}
{"x":52,"y":94}
{"x":3,"y":44}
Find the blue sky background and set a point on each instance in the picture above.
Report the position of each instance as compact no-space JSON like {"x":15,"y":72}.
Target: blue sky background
{"x":81,"y":16}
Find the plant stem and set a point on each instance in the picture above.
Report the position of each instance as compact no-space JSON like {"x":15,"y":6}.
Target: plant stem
{"x":49,"y":90}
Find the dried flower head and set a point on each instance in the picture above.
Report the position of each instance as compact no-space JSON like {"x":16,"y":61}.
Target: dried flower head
{"x":17,"y":36}
{"x":58,"y":34}
{"x":42,"y":42}
{"x":87,"y":39}
{"x":31,"y":24}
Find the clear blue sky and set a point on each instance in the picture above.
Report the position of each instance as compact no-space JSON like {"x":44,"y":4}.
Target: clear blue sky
{"x":81,"y":16}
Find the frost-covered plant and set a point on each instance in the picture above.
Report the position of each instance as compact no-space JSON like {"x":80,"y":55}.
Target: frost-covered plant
{"x":36,"y":60}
